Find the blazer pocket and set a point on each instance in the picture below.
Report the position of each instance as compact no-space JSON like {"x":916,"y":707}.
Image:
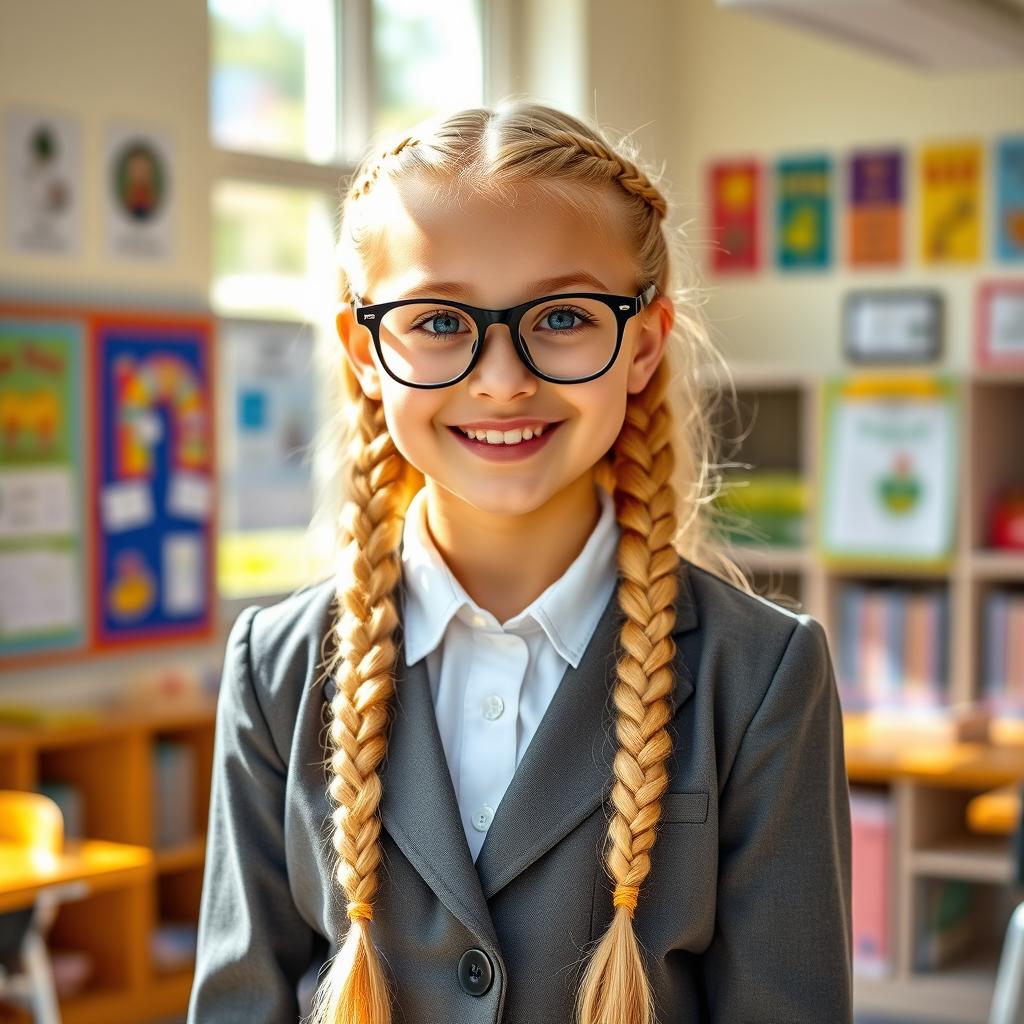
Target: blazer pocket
{"x":684,"y":807}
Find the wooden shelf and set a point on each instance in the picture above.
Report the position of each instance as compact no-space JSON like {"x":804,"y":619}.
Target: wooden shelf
{"x":929,"y":783}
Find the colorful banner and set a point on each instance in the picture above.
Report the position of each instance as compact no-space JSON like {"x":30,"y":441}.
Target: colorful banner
{"x":153,"y":489}
{"x":804,"y":213}
{"x":950,"y":188}
{"x":1010,"y":199}
{"x":41,"y":559}
{"x":876,"y":208}
{"x":735,"y":190}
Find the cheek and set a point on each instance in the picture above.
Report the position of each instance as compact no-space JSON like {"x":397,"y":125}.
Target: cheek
{"x":410,"y":420}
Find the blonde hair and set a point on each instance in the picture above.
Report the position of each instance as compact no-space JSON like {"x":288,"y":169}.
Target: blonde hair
{"x":660,"y":472}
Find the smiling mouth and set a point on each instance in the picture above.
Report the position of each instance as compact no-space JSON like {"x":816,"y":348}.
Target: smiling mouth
{"x":509,"y":438}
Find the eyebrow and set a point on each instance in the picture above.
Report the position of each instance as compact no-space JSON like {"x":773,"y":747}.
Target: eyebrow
{"x":546,"y":285}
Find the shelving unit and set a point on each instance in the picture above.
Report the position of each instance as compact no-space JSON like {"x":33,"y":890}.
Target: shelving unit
{"x":112,"y":766}
{"x":930,"y":835}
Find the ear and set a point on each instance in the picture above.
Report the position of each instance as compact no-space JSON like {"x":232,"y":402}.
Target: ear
{"x":652,"y":336}
{"x":359,"y":349}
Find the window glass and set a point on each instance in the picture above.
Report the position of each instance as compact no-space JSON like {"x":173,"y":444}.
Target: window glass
{"x":273,"y":75}
{"x":427,"y":58}
{"x":273,"y":250}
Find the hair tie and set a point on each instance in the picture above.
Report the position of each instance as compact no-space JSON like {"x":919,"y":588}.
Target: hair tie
{"x":359,"y":909}
{"x":625,"y":896}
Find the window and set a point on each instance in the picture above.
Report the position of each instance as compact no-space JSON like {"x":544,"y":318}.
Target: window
{"x":297,"y":90}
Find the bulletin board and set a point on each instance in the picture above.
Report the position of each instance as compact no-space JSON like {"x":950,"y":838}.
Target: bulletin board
{"x":107,"y":480}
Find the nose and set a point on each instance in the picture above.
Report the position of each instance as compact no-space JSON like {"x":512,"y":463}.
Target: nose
{"x":500,"y":372}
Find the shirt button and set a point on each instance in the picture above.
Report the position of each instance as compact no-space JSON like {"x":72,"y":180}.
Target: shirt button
{"x":482,"y":818}
{"x":493,"y":707}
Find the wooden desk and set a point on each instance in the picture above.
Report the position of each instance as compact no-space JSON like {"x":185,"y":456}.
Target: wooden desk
{"x":950,"y":765}
{"x":94,"y":862}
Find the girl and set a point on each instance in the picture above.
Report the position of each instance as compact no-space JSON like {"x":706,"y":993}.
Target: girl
{"x":576,"y":769}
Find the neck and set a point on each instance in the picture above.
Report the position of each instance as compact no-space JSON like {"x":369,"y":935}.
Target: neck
{"x":505,"y":562}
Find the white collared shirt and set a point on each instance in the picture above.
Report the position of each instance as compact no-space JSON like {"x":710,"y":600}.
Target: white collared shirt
{"x":492,"y":682}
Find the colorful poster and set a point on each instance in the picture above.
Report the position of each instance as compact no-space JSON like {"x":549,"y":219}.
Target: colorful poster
{"x":139,"y":192}
{"x":269,"y":426}
{"x":44,"y":176}
{"x":876,"y":208}
{"x":41,"y":561}
{"x":804,"y":213}
{"x":1010,"y":199}
{"x":735,"y":190}
{"x":950,"y":189}
{"x":153,"y":489}
{"x":889,"y":468}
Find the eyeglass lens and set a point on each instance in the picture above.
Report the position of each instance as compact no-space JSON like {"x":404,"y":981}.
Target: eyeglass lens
{"x":429,"y":343}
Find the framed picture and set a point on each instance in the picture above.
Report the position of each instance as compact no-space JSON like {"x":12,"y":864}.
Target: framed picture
{"x":896,"y":326}
{"x":1000,"y":319}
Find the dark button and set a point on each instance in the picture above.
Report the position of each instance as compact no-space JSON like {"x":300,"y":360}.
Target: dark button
{"x":475,"y":972}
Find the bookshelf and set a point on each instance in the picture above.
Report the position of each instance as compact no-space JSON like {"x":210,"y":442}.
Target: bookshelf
{"x":929,"y":841}
{"x":111,"y":764}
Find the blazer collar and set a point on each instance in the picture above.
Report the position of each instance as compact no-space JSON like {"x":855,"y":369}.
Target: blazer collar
{"x":569,"y":762}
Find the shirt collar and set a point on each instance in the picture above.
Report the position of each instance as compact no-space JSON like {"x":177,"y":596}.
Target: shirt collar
{"x":567,"y":611}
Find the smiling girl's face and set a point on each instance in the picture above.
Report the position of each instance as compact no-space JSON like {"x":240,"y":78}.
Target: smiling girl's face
{"x":501,"y":254}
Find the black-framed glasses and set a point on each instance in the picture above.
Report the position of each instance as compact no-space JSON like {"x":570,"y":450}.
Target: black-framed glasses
{"x":568,"y":338}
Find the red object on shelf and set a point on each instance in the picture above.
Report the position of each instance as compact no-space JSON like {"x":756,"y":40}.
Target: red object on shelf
{"x":1008,"y":519}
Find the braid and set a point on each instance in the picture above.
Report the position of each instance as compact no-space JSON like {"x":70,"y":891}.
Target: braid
{"x":369,"y":532}
{"x":615,"y":988}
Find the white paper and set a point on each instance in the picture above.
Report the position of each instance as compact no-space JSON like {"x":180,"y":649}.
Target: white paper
{"x":36,"y":501}
{"x":189,"y":496}
{"x":38,"y":592}
{"x":139,"y":194}
{"x":126,"y":505}
{"x":183,"y":574}
{"x":1007,"y":311}
{"x":44,"y":181}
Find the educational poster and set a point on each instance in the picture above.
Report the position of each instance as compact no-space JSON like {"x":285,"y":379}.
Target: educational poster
{"x":735,"y":190}
{"x":44,"y":177}
{"x":41,"y":559}
{"x":804,"y":213}
{"x":269,"y":425}
{"x":139,"y":195}
{"x":950,"y":190}
{"x":153,"y":488}
{"x":889,"y":468}
{"x":876,"y":208}
{"x":1010,"y":199}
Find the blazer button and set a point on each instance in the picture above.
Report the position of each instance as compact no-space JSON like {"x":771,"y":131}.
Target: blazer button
{"x":475,"y":972}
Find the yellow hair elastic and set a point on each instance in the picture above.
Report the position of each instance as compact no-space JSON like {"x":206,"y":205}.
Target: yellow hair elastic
{"x":359,"y":909}
{"x":625,"y":896}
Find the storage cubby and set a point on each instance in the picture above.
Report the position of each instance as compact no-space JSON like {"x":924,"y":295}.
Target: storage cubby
{"x":121,"y":926}
{"x":920,"y":788}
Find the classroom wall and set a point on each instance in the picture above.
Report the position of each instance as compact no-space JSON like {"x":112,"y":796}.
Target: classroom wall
{"x":744,"y":85}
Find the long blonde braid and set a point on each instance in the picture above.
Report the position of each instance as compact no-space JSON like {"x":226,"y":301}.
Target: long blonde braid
{"x":552,"y":149}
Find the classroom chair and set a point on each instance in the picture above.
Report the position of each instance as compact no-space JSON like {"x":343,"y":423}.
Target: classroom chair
{"x":1008,"y":996}
{"x":26,"y":973}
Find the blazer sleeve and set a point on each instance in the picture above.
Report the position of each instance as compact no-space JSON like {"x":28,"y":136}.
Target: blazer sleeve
{"x":782,"y":944}
{"x":253,"y":946}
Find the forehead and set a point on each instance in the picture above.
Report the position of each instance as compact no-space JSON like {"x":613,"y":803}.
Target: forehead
{"x":497,"y":247}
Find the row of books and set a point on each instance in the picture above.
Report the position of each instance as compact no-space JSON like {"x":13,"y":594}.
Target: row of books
{"x":1002,"y":631}
{"x":892,"y":646}
{"x":173,"y":797}
{"x":948,"y":918}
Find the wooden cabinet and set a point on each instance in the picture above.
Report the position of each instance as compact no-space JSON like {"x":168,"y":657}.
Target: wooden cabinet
{"x":111,"y":765}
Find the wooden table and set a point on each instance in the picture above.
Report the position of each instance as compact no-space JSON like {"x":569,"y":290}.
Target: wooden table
{"x":86,"y":865}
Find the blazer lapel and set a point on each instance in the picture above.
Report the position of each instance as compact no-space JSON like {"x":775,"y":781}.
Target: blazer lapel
{"x":568,"y":760}
{"x":566,"y":771}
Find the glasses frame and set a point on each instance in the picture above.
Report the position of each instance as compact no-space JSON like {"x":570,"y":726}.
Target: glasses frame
{"x":623,"y":306}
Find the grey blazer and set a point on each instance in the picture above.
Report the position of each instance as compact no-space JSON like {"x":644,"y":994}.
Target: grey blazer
{"x":745,"y":916}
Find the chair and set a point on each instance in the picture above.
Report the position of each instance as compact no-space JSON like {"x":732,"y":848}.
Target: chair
{"x":26,"y":973}
{"x":1008,"y":997}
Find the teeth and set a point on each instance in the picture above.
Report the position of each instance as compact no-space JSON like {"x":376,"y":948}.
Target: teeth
{"x":504,"y":437}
